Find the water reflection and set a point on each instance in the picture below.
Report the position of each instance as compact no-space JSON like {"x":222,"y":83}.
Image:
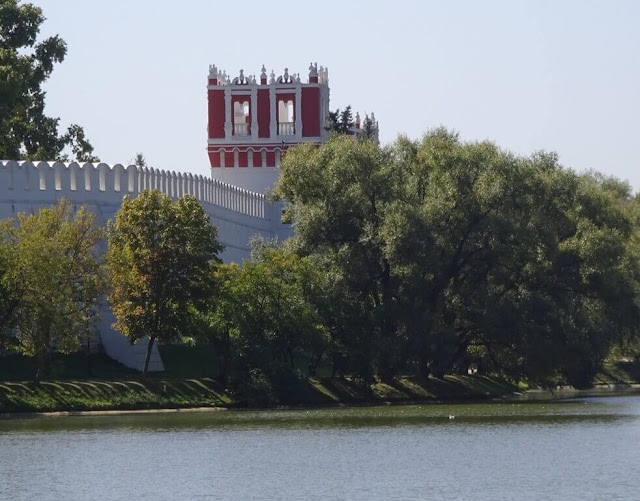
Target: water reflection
{"x":583,"y":449}
{"x":607,"y":410}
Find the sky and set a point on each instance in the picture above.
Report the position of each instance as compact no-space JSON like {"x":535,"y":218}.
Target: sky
{"x":549,"y":75}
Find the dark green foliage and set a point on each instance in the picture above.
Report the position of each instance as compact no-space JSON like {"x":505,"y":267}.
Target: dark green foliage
{"x":340,"y":121}
{"x":16,"y":367}
{"x":25,"y":65}
{"x":369,"y":128}
{"x":139,"y":161}
{"x":51,"y":281}
{"x":9,"y":301}
{"x":448,"y":253}
{"x":81,"y":148}
{"x":264,"y":324}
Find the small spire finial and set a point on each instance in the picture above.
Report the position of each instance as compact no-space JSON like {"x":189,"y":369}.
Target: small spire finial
{"x":272,"y":77}
{"x":263,"y":74}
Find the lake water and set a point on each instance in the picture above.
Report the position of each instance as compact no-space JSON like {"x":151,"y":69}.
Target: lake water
{"x":572,"y":450}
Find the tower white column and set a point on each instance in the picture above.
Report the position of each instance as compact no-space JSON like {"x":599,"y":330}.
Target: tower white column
{"x":227,"y":113}
{"x":324,"y":110}
{"x":273,"y":126}
{"x":298,"y":111}
{"x":254,"y":113}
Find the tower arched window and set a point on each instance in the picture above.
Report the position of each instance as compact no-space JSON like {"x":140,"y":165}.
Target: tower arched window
{"x":241,"y":118}
{"x":285,"y":118}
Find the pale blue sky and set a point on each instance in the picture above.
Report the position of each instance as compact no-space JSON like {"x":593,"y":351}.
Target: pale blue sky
{"x":530,"y":75}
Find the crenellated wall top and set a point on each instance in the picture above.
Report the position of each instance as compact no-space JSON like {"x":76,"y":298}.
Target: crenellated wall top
{"x":103,"y":182}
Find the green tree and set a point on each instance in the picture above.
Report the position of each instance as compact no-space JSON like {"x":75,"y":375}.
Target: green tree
{"x":9,"y":299}
{"x":338,"y":208}
{"x":54,"y":277}
{"x":460,"y":250}
{"x":346,"y":316}
{"x":267,"y":309}
{"x":526,"y":262}
{"x":340,"y":121}
{"x":140,"y":161}
{"x":333,"y":121}
{"x":346,"y":121}
{"x":369,"y":128}
{"x":81,"y":148}
{"x":160,"y":255}
{"x":25,"y":65}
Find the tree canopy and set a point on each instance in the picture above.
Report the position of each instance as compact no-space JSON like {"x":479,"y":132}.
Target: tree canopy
{"x":462,"y":252}
{"x":26,"y":132}
{"x":340,"y":121}
{"x":160,"y":255}
{"x":52,"y":279}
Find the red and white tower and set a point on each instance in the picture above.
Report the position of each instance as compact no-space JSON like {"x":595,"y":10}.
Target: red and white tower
{"x":251,"y":124}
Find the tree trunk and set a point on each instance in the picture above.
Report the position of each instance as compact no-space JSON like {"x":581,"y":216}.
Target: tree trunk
{"x":148,"y":357}
{"x":43,"y":369}
{"x":385,"y":357}
{"x":43,"y":357}
{"x":224,"y":360}
{"x":89,"y":368}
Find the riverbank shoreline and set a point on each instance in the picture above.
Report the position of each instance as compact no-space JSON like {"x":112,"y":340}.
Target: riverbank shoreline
{"x":225,"y":402}
{"x":153,"y":393}
{"x":113,"y":412}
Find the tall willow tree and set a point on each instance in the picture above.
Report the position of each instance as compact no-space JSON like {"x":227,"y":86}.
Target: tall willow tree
{"x":160,"y":255}
{"x":461,"y":251}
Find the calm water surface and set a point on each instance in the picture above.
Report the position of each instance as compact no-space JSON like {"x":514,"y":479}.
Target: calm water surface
{"x":573,"y":450}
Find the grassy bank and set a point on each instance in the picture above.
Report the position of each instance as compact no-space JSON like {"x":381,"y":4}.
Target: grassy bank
{"x":187,"y":383}
{"x":157,"y":393}
{"x":94,"y":395}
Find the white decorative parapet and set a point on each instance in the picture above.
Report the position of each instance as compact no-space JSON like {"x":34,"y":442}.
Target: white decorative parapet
{"x":110,"y":183}
{"x":221,"y":77}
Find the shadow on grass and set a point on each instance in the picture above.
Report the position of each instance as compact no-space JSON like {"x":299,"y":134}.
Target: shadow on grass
{"x":102,"y":395}
{"x":407,"y":389}
{"x":621,"y":373}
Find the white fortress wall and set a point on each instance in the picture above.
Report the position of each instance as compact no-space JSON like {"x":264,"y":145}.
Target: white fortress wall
{"x":239,"y":214}
{"x":254,"y":179}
